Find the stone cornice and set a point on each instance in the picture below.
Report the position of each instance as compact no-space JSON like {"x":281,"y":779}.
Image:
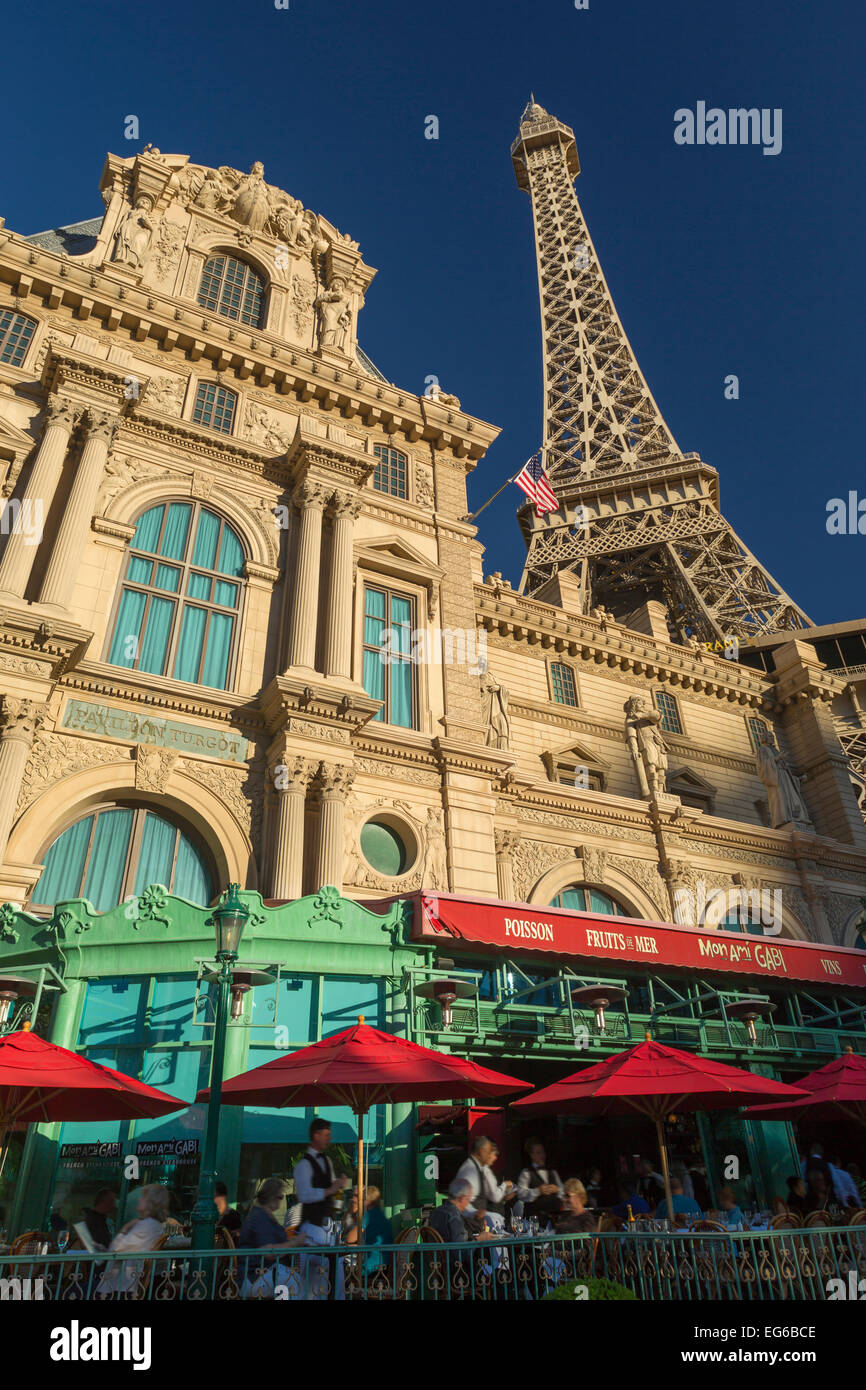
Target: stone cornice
{"x":50,"y":641}
{"x":487,"y":762}
{"x":317,"y":704}
{"x":96,"y":293}
{"x":507,"y":614}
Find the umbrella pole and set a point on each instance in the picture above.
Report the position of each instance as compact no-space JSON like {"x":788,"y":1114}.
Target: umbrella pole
{"x":360,"y":1177}
{"x":663,"y":1152}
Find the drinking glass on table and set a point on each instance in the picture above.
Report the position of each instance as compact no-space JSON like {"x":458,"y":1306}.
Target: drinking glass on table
{"x":63,"y":1239}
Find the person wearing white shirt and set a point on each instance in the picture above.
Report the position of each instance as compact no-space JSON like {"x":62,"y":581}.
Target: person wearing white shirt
{"x":121,"y":1276}
{"x":844,"y":1187}
{"x":477,"y":1172}
{"x":538,"y":1186}
{"x":316,"y":1186}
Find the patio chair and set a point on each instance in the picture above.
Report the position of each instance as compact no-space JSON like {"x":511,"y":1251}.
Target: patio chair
{"x":30,"y":1241}
{"x":788,"y":1221}
{"x":820,"y":1218}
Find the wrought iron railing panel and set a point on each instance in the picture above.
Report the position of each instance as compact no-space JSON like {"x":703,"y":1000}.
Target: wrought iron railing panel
{"x":758,"y":1266}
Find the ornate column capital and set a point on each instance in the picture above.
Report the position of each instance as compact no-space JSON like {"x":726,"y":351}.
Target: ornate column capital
{"x":345,"y":505}
{"x":506,"y":841}
{"x":291,"y":774}
{"x":333,"y":780}
{"x":60,"y":411}
{"x":101,"y":424}
{"x":310,"y":496}
{"x":20,"y":718}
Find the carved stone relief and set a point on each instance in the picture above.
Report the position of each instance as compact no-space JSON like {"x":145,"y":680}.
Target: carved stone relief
{"x":54,"y":757}
{"x":153,"y":768}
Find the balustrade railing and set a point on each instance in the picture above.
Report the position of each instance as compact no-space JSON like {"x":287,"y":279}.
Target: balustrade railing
{"x":814,"y":1264}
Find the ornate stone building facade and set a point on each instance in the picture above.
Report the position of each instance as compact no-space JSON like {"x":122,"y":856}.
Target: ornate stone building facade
{"x":239,"y":592}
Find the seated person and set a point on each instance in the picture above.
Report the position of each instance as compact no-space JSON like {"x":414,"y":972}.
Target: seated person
{"x":229,"y":1219}
{"x":539,"y":1187}
{"x":377,"y":1227}
{"x":683,"y":1205}
{"x":628,"y":1196}
{"x":142,"y":1234}
{"x":96,"y":1218}
{"x":260,"y":1229}
{"x":575,"y":1217}
{"x":819,"y":1191}
{"x":797,"y":1195}
{"x":448,"y":1220}
{"x":730,"y":1213}
{"x":593,"y":1188}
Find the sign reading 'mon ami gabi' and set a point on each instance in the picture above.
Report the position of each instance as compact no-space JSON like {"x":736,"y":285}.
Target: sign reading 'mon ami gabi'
{"x":516,"y":927}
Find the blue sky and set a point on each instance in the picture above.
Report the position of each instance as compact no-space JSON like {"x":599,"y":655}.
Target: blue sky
{"x":721,"y":260}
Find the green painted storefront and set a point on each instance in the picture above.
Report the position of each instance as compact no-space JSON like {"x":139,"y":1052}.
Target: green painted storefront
{"x":125,"y":986}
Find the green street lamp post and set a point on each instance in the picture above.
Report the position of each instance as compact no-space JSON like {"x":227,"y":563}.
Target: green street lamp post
{"x":229,"y":920}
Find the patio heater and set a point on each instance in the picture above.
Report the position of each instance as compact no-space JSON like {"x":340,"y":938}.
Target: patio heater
{"x":599,"y":998}
{"x":243,"y":980}
{"x":229,"y":920}
{"x":13,"y":988}
{"x":748,"y":1011}
{"x":445,"y":992}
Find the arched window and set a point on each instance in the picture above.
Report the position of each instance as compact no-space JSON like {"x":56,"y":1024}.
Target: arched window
{"x":391,"y":472}
{"x":577,"y":898}
{"x":214,"y":407}
{"x":16,"y":334}
{"x":232,"y":288}
{"x":179,"y":605}
{"x":120,"y":850}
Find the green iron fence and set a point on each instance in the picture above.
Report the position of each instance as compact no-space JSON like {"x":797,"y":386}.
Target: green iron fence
{"x":752,"y":1266}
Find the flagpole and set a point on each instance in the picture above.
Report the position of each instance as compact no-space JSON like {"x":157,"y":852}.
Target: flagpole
{"x":472,"y":515}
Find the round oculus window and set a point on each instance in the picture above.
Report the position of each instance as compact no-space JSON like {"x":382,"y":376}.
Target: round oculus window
{"x":383,"y":848}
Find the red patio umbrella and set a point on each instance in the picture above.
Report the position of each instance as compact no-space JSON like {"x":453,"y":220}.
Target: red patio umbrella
{"x":360,"y":1067}
{"x":41,"y":1081}
{"x":839,"y":1088}
{"x":655,"y":1081}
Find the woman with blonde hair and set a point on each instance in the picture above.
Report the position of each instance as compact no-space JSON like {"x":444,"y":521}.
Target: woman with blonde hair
{"x":142,"y":1234}
{"x":575,"y":1218}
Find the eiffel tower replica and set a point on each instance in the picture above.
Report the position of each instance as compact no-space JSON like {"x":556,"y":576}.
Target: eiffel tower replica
{"x":638,"y":519}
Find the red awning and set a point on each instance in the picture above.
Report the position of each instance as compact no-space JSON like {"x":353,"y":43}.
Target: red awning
{"x":596,"y":940}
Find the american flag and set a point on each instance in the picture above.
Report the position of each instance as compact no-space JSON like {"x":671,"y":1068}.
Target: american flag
{"x":533,"y":480}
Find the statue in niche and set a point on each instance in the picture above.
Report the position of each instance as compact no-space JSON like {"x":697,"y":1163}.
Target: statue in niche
{"x":647,"y":747}
{"x":434,"y":870}
{"x":335,"y":319}
{"x":135,"y":234}
{"x":783,"y":787}
{"x":496,"y":712}
{"x":252,"y":206}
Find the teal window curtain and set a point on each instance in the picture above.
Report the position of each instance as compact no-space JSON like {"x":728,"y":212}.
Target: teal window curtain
{"x":600,"y":902}
{"x":127,"y":628}
{"x":231,"y":560}
{"x":401,"y":694}
{"x":219,"y":644}
{"x":189,"y":647}
{"x":204,"y":554}
{"x":572,"y":898}
{"x":108,"y":858}
{"x":176,"y":528}
{"x":147,"y":530}
{"x":374,"y":619}
{"x":154,"y":648}
{"x":374,"y":680}
{"x":156,"y":854}
{"x":64,"y":865}
{"x":191,"y":877}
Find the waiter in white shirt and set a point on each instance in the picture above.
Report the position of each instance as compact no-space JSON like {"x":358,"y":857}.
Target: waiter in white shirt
{"x":539,"y":1187}
{"x":317,"y":1186}
{"x":481,"y":1178}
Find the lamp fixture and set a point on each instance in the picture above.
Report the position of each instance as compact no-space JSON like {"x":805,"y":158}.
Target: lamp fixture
{"x":599,"y":998}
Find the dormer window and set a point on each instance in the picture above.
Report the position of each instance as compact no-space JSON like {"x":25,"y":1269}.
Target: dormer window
{"x":16,"y":334}
{"x":391,"y":472}
{"x":232,"y":288}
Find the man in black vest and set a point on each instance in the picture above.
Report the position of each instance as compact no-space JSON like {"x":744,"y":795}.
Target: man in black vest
{"x":316,"y":1186}
{"x":539,"y":1187}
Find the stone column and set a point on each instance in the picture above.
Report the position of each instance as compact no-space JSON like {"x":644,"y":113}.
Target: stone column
{"x":19,"y":720}
{"x":20,"y":549}
{"x":338,"y":632}
{"x":303,"y":621}
{"x":63,"y":566}
{"x":334,"y":781}
{"x":506,"y":843}
{"x":287,"y":855}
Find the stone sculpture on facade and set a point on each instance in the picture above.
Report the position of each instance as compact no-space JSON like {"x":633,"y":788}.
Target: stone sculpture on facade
{"x":251,"y":206}
{"x":647,"y":747}
{"x":434,"y":871}
{"x":135,"y":234}
{"x":335,"y":318}
{"x":783,"y":787}
{"x":496,"y":712}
